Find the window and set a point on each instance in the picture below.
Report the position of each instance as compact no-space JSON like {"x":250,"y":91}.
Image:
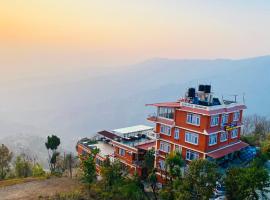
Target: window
{"x":193,"y":119}
{"x":236,"y":116}
{"x":212,"y":139}
{"x":164,"y":146}
{"x":166,"y":112}
{"x":165,"y":129}
{"x":223,"y":136}
{"x":122,"y":152}
{"x":176,"y":133}
{"x":191,"y":138}
{"x":162,"y":164}
{"x":177,"y":148}
{"x":225,"y":118}
{"x":191,"y":155}
{"x":99,"y":162}
{"x":234,"y":133}
{"x":214,"y":120}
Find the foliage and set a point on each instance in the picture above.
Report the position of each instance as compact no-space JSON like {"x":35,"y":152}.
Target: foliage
{"x":245,"y":183}
{"x":89,"y":170}
{"x":152,"y":179}
{"x":69,"y":163}
{"x":38,"y":170}
{"x":5,"y":159}
{"x":52,"y":144}
{"x":199,"y":180}
{"x":250,"y":139}
{"x":173,"y":165}
{"x":148,"y":161}
{"x":23,"y":167}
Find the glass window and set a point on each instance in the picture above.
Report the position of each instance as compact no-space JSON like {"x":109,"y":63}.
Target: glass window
{"x":214,"y":120}
{"x":236,"y":116}
{"x":212,"y":139}
{"x":176,"y":133}
{"x":193,"y":119}
{"x":166,"y":112}
{"x":162,"y":164}
{"x":166,"y":147}
{"x":234,"y":133}
{"x":192,"y":138}
{"x":122,"y":152}
{"x":223,"y":136}
{"x":177,"y":148}
{"x":191,"y":155}
{"x":225,"y":118}
{"x":165,"y":129}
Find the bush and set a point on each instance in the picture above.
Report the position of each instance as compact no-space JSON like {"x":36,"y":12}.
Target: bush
{"x":38,"y":170}
{"x":250,"y":139}
{"x":23,"y":168}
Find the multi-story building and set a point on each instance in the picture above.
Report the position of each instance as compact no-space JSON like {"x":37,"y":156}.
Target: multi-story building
{"x":199,"y":126}
{"x":127,"y":145}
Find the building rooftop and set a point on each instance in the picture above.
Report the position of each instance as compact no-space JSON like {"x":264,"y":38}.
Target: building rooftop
{"x":132,"y":129}
{"x":106,"y":149}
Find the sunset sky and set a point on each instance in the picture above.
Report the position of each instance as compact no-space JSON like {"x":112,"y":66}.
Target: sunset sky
{"x":116,"y":32}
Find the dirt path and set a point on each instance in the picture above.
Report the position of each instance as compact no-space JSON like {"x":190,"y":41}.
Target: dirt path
{"x":32,"y":190}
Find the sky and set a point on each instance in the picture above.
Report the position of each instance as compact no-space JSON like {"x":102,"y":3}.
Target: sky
{"x":44,"y":35}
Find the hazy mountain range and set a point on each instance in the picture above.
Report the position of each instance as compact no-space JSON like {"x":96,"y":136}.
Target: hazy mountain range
{"x":74,"y":105}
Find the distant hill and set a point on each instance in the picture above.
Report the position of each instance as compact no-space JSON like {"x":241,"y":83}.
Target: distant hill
{"x":78,"y":104}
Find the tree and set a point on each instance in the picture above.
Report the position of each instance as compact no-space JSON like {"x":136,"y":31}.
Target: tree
{"x":70,"y":162}
{"x":5,"y":159}
{"x":52,"y":144}
{"x":246,"y":183}
{"x":152,"y":179}
{"x":88,"y":167}
{"x":23,"y":166}
{"x":199,"y":181}
{"x":148,"y":161}
{"x":173,"y":165}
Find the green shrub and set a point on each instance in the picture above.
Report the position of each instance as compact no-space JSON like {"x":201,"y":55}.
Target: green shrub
{"x":38,"y":170}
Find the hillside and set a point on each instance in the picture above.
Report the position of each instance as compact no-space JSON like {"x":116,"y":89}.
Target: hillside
{"x":77,"y":104}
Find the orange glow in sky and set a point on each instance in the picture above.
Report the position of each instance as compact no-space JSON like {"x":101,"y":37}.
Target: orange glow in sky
{"x":117,"y":32}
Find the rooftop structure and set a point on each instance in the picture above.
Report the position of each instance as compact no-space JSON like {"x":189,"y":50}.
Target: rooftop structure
{"x":128,"y":145}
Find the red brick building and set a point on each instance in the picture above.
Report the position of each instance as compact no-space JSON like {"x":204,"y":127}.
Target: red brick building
{"x":199,"y":126}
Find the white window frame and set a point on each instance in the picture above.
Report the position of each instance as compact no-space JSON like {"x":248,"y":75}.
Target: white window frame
{"x":176,"y":133}
{"x":192,"y":138}
{"x":212,"y":139}
{"x":225,"y":118}
{"x":236,"y":116}
{"x":168,"y":129}
{"x":177,"y":148}
{"x":161,"y":164}
{"x":222,"y":134}
{"x":122,"y":152}
{"x":166,"y":112}
{"x":234,"y":133}
{"x":165,"y":147}
{"x":189,"y":153}
{"x":214,"y":120}
{"x":193,"y":119}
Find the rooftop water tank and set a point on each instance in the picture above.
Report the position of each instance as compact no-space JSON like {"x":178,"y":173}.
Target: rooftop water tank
{"x":207,"y":88}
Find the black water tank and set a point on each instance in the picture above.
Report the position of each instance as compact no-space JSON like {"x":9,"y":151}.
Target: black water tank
{"x":207,"y":88}
{"x":191,"y":92}
{"x":201,"y":88}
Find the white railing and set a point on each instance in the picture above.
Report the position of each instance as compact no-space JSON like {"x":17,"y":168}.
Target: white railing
{"x":209,"y":108}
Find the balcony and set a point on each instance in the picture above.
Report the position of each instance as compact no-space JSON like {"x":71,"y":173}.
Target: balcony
{"x":157,"y":119}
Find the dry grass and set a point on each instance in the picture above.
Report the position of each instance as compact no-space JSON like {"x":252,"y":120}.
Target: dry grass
{"x":10,"y":182}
